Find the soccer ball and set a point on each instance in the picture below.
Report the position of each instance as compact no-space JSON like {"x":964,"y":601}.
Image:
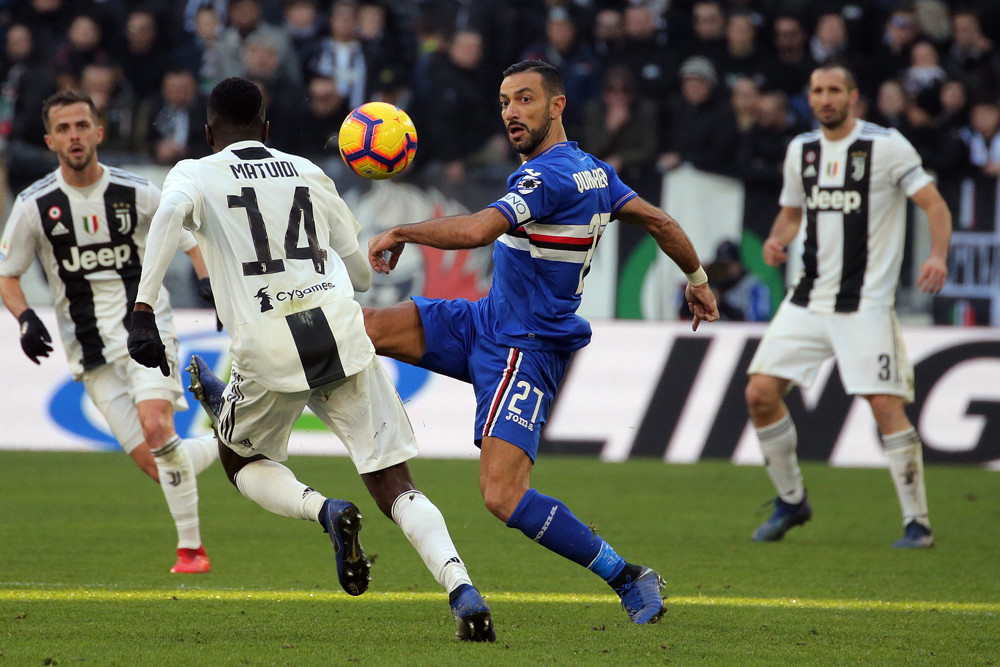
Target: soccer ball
{"x":378,"y":140}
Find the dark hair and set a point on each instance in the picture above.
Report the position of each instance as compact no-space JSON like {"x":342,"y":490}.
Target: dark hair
{"x":236,"y":104}
{"x":849,"y":77}
{"x":64,"y":98}
{"x":551,"y":77}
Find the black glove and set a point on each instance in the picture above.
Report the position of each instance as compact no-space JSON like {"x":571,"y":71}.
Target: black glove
{"x":35,"y":337}
{"x":144,"y":344}
{"x":205,"y":291}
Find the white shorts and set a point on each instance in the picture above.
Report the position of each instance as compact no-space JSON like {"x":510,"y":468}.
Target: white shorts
{"x":116,"y":387}
{"x":363,"y":410}
{"x":867,"y":344}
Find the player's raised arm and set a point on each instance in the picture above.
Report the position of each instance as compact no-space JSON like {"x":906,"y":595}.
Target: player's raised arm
{"x":453,"y":232}
{"x":677,"y":246}
{"x":934,"y":270}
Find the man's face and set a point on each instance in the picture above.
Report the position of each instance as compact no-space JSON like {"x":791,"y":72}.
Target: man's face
{"x":525,"y":109}
{"x":74,"y":135}
{"x":830,"y":97}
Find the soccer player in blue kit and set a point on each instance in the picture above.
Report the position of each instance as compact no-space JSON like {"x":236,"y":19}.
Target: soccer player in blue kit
{"x":515,"y":344}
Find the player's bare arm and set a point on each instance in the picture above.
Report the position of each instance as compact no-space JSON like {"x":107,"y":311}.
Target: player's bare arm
{"x":454,"y":232}
{"x":783,"y":231}
{"x":198,"y":262}
{"x":672,"y":240}
{"x":12,"y":295}
{"x":934,"y":270}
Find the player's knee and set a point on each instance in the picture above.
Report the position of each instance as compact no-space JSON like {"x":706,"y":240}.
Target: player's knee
{"x":761,"y":396}
{"x":888,"y":412}
{"x":157,"y":429}
{"x":500,"y":502}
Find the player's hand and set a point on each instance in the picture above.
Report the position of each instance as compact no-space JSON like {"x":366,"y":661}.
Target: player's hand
{"x":144,"y":344}
{"x":701,"y":303}
{"x":205,"y":291}
{"x":35,"y":337}
{"x":378,"y":245}
{"x":933,"y":273}
{"x":775,"y":252}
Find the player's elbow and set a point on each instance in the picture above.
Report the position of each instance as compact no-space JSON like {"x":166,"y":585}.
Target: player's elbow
{"x":659,"y":224}
{"x":478,"y":236}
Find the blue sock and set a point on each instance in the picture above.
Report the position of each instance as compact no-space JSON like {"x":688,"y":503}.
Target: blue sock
{"x":550,"y":523}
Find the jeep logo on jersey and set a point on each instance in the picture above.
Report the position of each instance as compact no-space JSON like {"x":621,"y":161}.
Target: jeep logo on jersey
{"x":845,"y":201}
{"x":97,"y":259}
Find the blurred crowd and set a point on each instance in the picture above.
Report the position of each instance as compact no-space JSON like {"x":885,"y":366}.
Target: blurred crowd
{"x":651,"y":84}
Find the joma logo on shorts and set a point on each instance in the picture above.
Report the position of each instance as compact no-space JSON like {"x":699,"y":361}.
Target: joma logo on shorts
{"x":833,"y":200}
{"x":94,"y":260}
{"x":517,"y":419}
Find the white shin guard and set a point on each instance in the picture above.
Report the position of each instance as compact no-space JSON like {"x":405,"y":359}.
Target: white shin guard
{"x":180,"y":488}
{"x":906,"y":465}
{"x":778,"y":442}
{"x":275,"y":488}
{"x":422,"y":523}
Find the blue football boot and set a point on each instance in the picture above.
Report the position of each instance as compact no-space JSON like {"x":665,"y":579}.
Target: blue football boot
{"x":475,"y":624}
{"x":342,"y":521}
{"x":786,"y":516}
{"x":641,"y":596}
{"x":206,"y":387}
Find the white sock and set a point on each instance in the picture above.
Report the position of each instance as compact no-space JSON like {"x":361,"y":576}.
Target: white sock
{"x":906,"y":464}
{"x":203,"y":451}
{"x":422,"y":523}
{"x":778,"y":442}
{"x":180,"y":488}
{"x":275,"y":488}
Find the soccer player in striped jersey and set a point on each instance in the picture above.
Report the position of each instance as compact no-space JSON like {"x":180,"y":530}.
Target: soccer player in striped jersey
{"x":87,"y":223}
{"x":282,"y":249}
{"x":515,"y":344}
{"x":850,"y":181}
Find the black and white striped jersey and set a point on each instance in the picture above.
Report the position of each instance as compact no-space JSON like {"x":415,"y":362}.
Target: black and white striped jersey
{"x":90,"y":242}
{"x":273,"y":231}
{"x":853,"y":196}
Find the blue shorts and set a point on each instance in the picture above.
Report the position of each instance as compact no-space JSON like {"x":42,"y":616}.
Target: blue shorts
{"x":514,"y":388}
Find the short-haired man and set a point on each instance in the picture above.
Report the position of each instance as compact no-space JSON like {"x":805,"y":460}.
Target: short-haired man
{"x":87,"y":223}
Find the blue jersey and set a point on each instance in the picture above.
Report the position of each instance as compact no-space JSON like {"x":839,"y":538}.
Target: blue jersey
{"x":558,"y":204}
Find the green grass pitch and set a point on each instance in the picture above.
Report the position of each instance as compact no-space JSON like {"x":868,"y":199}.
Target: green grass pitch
{"x":86,"y":542}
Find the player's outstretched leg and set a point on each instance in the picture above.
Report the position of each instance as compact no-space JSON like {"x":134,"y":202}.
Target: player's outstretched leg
{"x":342,"y":521}
{"x":549,"y":522}
{"x":207,"y":387}
{"x":785,"y":517}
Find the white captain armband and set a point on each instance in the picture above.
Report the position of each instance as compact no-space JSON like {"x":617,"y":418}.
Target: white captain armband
{"x":698,"y":277}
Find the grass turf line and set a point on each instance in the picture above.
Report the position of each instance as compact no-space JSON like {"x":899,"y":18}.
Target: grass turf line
{"x":106,"y":595}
